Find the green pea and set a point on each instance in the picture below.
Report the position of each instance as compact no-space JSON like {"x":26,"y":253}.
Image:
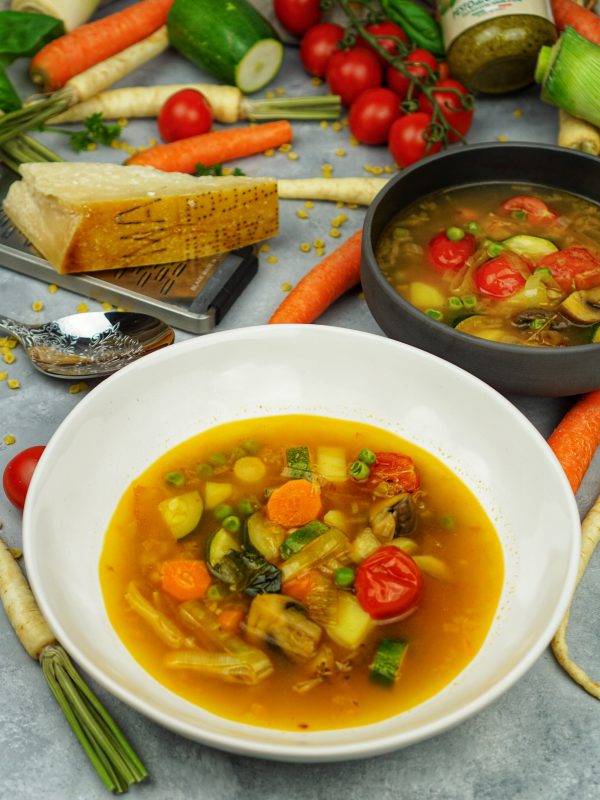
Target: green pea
{"x":251,"y":446}
{"x":537,"y":324}
{"x":455,"y":234}
{"x":359,"y":471}
{"x":494,"y":249}
{"x":231,"y":524}
{"x":215,"y":592}
{"x":222,"y":511}
{"x":204,"y":471}
{"x":434,"y":314}
{"x":344,"y":577}
{"x":400,"y":233}
{"x":237,"y":452}
{"x":448,"y":521}
{"x":175,"y":478}
{"x":246,"y":507}
{"x":217,"y":460}
{"x":367,"y":456}
{"x":473,"y":227}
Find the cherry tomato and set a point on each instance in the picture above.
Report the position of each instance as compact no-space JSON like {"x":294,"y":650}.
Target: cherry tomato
{"x":396,"y":471}
{"x":573,"y":268}
{"x":350,"y":72}
{"x":407,"y":139}
{"x":318,"y":45}
{"x":444,"y":253}
{"x":372,"y":113}
{"x":18,"y":473}
{"x":297,"y":16}
{"x":501,"y":276}
{"x":533,"y":209}
{"x":450,"y":106}
{"x":388,"y":583}
{"x":416,"y":63}
{"x":185,"y":113}
{"x":380,"y":29}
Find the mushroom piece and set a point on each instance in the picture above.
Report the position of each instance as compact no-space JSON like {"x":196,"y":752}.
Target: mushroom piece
{"x":583,"y":306}
{"x":555,"y":322}
{"x":280,"y":621}
{"x":393,"y":516}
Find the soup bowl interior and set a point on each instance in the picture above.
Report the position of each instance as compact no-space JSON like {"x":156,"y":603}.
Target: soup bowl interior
{"x":510,"y":368}
{"x":137,"y":415}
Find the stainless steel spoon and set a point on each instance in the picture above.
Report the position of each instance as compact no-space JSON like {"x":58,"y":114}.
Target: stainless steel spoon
{"x":89,"y":345}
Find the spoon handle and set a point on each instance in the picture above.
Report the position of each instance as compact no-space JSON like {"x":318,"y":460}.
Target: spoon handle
{"x":17,"y":329}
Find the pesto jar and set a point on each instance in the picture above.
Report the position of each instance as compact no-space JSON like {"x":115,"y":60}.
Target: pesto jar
{"x":492,"y":47}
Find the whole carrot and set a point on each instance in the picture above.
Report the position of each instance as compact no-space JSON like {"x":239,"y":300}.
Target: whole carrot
{"x":90,"y":44}
{"x":320,"y":287}
{"x":214,"y":147}
{"x":569,"y":13}
{"x":577,"y":436}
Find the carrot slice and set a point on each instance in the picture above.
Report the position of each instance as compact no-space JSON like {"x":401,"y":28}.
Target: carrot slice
{"x":577,"y":436}
{"x":214,"y":147}
{"x":230,"y":619}
{"x":295,"y":503}
{"x":299,"y":588}
{"x":320,"y":287}
{"x":185,"y":580}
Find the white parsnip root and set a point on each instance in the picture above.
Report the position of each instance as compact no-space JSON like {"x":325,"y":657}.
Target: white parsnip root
{"x":361,"y":191}
{"x":590,"y":531}
{"x":20,"y":606}
{"x":146,"y":101}
{"x":577,"y":134}
{"x":73,"y":13}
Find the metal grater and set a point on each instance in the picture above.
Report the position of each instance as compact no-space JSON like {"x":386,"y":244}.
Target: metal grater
{"x":191,"y":295}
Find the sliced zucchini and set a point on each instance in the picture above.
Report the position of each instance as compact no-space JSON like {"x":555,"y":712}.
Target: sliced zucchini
{"x":352,"y":624}
{"x":219,"y":545}
{"x":265,"y":536}
{"x":298,"y":462}
{"x":182,"y":513}
{"x":298,"y":540}
{"x":596,"y":334}
{"x":259,"y":66}
{"x":388,"y":660}
{"x":486,"y":328}
{"x":532,"y":247}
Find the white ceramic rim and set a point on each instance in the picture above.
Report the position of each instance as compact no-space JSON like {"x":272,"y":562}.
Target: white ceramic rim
{"x":285,"y":751}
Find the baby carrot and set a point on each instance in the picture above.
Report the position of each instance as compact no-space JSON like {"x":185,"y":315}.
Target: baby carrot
{"x":90,"y":44}
{"x":585,"y":22}
{"x":185,"y":580}
{"x":295,"y":503}
{"x":215,"y":147}
{"x":577,"y":436}
{"x":318,"y":289}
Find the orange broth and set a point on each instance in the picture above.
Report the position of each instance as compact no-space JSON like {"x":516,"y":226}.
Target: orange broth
{"x":443,"y":634}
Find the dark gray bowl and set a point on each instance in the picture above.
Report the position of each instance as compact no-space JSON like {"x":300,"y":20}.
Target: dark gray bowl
{"x":513,"y":369}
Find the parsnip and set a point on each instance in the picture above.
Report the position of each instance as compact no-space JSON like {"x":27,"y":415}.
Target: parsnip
{"x":590,"y":532}
{"x":146,"y":101}
{"x":345,"y":190}
{"x":577,"y":134}
{"x":73,"y":13}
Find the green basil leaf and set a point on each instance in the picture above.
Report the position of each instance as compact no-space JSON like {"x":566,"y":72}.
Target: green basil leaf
{"x":419,"y":26}
{"x":22,"y":34}
{"x":9,"y":99}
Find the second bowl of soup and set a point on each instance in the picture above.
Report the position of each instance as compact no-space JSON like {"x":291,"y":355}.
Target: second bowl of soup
{"x":490,"y":257}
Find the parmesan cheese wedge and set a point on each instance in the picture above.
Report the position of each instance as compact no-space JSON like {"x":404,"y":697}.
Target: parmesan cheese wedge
{"x":86,"y":217}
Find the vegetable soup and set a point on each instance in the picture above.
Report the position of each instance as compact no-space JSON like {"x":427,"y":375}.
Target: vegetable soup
{"x":301,"y":572}
{"x":512,"y":264}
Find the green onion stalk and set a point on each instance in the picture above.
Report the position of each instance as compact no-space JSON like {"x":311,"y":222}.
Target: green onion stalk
{"x":108,"y":750}
{"x":568,"y":72}
{"x":439,"y":130}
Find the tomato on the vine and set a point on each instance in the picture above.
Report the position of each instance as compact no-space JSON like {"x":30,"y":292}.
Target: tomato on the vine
{"x":408,"y":141}
{"x":350,"y":72}
{"x":445,"y":253}
{"x":318,"y":44}
{"x":388,"y":583}
{"x":18,"y":473}
{"x":451,"y":107}
{"x":297,"y":16}
{"x":417,"y":64}
{"x":372,"y":114}
{"x":381,"y":29}
{"x":502,"y":276}
{"x":185,"y":113}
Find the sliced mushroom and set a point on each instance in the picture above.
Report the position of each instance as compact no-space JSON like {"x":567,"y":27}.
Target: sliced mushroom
{"x":555,"y":321}
{"x":393,"y":516}
{"x":583,"y":306}
{"x":280,"y":621}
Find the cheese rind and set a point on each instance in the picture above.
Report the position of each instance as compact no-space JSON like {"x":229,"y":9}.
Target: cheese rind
{"x":87,"y":217}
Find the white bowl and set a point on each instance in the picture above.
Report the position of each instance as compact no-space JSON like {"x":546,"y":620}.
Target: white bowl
{"x":132,"y":418}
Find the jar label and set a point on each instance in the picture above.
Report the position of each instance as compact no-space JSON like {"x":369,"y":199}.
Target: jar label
{"x":456,"y":16}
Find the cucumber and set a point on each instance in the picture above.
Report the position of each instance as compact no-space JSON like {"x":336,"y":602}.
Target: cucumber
{"x":229,"y":39}
{"x":218,"y":546}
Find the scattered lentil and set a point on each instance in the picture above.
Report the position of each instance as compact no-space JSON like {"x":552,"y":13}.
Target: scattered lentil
{"x":316,"y":81}
{"x":319,"y":243}
{"x":517,"y":113}
{"x":53,"y":288}
{"x":37,"y":305}
{"x":272,"y":259}
{"x":13,"y":383}
{"x":287,"y":287}
{"x":324,"y":123}
{"x":264,"y":248}
{"x":3,"y":376}
{"x":340,"y":152}
{"x":335,"y":233}
{"x":301,"y":213}
{"x":9,"y":439}
{"x":7,"y":356}
{"x":305,"y":247}
{"x":285,"y":148}
{"x":82,"y":308}
{"x":309,"y":204}
{"x":336,"y":126}
{"x":269,"y":153}
{"x":77,"y":388}
{"x":293,"y":156}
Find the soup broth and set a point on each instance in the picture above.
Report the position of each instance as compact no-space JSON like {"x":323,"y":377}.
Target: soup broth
{"x":508,"y":263}
{"x":345,"y":575}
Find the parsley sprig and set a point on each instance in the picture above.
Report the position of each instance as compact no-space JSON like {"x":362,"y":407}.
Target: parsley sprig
{"x":95,"y":131}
